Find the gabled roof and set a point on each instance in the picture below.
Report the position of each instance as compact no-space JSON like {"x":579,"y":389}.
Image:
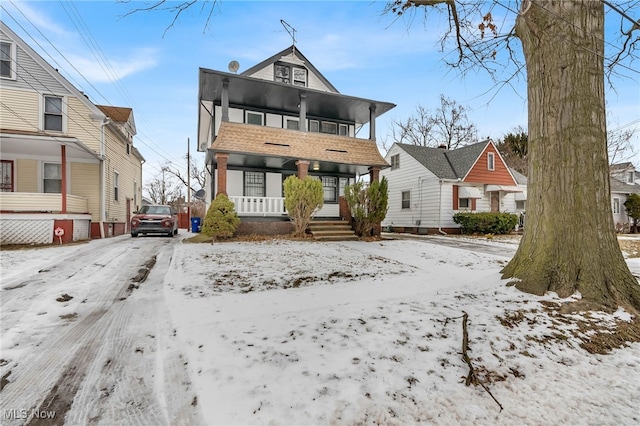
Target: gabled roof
{"x":621,"y":166}
{"x":246,"y":142}
{"x":291,"y":50}
{"x":620,"y":187}
{"x":446,"y":164}
{"x":50,"y":70}
{"x":119,"y":114}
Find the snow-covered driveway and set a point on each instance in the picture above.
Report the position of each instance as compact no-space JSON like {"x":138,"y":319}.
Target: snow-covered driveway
{"x":86,"y":336}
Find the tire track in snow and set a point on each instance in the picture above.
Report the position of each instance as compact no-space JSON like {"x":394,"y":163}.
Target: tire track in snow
{"x":63,"y":357}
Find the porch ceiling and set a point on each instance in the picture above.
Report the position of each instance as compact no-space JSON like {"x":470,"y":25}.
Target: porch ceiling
{"x":45,"y":146}
{"x":265,"y":94}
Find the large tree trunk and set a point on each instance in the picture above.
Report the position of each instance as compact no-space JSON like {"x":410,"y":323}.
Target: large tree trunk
{"x":569,"y":243}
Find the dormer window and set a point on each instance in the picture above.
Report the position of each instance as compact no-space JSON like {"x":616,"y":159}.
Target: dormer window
{"x":630,"y":177}
{"x":290,"y":74}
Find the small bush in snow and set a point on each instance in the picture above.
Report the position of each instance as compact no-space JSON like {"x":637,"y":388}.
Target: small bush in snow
{"x":221,"y":220}
{"x":486,"y":222}
{"x":302,"y":198}
{"x":368,"y":204}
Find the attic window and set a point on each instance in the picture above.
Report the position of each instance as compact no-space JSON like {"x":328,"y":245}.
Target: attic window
{"x":7,"y":55}
{"x":289,"y":74}
{"x":336,"y":150}
{"x":276,"y":144}
{"x":491,"y":161}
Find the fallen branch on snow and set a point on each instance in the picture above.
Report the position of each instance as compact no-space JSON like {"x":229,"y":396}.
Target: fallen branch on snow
{"x":472,"y":377}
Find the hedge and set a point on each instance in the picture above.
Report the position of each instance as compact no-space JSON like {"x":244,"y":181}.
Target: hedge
{"x":486,"y":222}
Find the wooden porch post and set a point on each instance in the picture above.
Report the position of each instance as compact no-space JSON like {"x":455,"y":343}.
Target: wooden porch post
{"x":303,"y":168}
{"x":221,"y":159}
{"x":372,"y":122}
{"x":303,"y":112}
{"x":63,"y":170}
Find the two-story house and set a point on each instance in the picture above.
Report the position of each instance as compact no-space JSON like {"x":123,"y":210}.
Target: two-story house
{"x":66,"y":163}
{"x":278,"y":118}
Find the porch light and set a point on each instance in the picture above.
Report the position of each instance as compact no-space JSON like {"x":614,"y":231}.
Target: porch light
{"x":316,"y":165}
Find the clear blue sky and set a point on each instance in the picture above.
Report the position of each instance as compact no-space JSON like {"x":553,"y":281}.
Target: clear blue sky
{"x":131,"y":61}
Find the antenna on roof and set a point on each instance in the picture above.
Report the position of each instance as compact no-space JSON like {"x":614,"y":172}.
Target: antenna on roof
{"x":291,"y":31}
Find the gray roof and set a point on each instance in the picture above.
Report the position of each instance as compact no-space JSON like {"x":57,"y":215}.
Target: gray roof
{"x":445,"y":164}
{"x":624,"y":188}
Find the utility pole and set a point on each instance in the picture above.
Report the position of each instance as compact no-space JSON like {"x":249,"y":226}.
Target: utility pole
{"x":189,"y":186}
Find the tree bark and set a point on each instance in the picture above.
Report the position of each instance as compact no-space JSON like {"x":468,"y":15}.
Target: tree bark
{"x":569,"y":243}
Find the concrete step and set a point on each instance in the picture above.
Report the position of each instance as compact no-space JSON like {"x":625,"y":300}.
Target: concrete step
{"x":332,"y":230}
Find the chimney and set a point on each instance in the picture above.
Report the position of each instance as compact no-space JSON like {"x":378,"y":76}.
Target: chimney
{"x":442,"y":146}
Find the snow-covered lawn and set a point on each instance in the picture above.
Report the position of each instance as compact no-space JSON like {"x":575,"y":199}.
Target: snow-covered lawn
{"x":284,"y":332}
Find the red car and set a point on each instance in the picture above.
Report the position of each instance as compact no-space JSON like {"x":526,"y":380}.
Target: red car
{"x":154,"y":219}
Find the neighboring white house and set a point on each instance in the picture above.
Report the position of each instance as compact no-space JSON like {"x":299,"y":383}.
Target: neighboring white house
{"x":427,"y":186}
{"x":65,"y":163}
{"x":623,"y":182}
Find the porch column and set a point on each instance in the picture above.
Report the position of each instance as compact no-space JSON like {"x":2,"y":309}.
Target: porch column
{"x":303,"y":168}
{"x":303,"y":112}
{"x":372,"y":122}
{"x":374,"y":174}
{"x":225,"y":100}
{"x":63,"y":170}
{"x":221,"y":159}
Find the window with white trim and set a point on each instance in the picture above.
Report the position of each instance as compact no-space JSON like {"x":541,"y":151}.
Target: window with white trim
{"x":52,"y":178}
{"x":406,"y":200}
{"x":116,"y":185}
{"x":341,"y":185}
{"x":314,"y":126}
{"x":292,"y":124}
{"x":254,"y":118}
{"x":491,"y":161}
{"x":616,"y":206}
{"x":343,"y":130}
{"x":254,"y":184}
{"x":630,"y":177}
{"x":7,"y":57}
{"x":329,"y":127}
{"x":53,"y":113}
{"x":288,"y":74}
{"x":330,"y":188}
{"x":395,"y":161}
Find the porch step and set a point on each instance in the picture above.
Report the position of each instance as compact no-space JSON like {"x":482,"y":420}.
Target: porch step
{"x":332,"y":230}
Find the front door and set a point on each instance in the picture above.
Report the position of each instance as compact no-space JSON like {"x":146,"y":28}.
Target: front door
{"x":494,"y":196}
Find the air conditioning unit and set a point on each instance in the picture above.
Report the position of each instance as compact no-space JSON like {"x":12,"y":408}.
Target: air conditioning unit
{"x":418,"y":222}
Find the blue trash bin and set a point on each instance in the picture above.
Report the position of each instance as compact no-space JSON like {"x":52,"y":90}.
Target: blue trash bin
{"x":195,"y":224}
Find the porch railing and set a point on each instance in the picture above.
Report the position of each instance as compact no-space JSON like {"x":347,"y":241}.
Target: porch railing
{"x":258,"y":206}
{"x":41,"y":202}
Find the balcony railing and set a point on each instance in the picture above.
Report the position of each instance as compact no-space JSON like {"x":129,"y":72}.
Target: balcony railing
{"x":33,"y":202}
{"x":258,"y":206}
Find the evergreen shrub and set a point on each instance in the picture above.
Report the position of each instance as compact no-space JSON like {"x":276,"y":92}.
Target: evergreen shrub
{"x":486,"y":222}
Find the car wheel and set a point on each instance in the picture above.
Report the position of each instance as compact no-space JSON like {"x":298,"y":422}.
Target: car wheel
{"x":175,"y":232}
{"x":134,"y":234}
{"x":170,"y":234}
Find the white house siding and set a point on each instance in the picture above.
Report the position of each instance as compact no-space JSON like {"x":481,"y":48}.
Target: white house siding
{"x":413,"y":177}
{"x":30,"y":75}
{"x":273,"y":185}
{"x":620,"y":218}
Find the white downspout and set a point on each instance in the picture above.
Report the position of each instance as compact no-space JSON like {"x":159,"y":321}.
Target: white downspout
{"x":103,"y":200}
{"x":440,"y":211}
